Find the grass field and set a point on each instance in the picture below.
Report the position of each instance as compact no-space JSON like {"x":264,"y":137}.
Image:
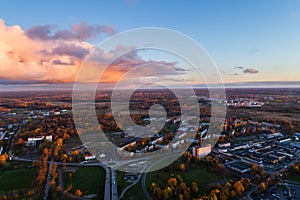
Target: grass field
{"x":90,"y":180}
{"x":135,"y":193}
{"x":120,"y":181}
{"x":295,"y":178}
{"x":17,"y":179}
{"x":200,"y":175}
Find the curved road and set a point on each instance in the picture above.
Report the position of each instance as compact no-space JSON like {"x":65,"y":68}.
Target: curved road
{"x":129,"y":186}
{"x":147,"y":194}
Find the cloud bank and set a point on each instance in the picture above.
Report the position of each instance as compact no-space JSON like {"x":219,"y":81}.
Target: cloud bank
{"x":82,"y":31}
{"x":45,"y":54}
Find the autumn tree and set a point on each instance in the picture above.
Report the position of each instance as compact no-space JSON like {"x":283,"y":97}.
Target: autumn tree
{"x":172,"y":182}
{"x":3,"y":159}
{"x":78,"y":193}
{"x":194,"y":187}
{"x":262,"y":186}
{"x":182,"y":167}
{"x":239,"y":188}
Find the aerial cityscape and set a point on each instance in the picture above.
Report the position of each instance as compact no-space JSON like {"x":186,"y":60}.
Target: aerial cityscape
{"x":142,"y":100}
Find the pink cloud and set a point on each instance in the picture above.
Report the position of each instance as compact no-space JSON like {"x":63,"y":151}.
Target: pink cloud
{"x":250,"y":71}
{"x":41,"y":55}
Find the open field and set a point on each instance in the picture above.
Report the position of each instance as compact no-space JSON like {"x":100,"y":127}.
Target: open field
{"x":200,"y":175}
{"x":135,"y":193}
{"x":120,"y":181}
{"x":90,"y":180}
{"x":17,"y":179}
{"x":295,"y":178}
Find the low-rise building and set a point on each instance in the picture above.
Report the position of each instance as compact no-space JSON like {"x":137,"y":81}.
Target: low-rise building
{"x":89,"y":157}
{"x":156,"y":140}
{"x":142,"y":149}
{"x":127,"y":143}
{"x":239,"y":167}
{"x":224,"y":145}
{"x":201,"y":151}
{"x":252,"y":160}
{"x":34,"y":141}
{"x":274,"y":135}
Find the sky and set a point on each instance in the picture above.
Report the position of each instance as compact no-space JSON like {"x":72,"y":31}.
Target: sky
{"x":249,"y":41}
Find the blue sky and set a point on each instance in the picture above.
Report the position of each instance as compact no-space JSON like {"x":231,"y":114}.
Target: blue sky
{"x":259,"y":35}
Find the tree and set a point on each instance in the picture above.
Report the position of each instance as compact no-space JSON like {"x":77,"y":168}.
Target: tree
{"x":223,"y":196}
{"x":180,"y":197}
{"x":20,"y":141}
{"x":78,"y":193}
{"x":165,"y":194}
{"x":59,"y":142}
{"x":172,"y":182}
{"x":194,"y":187}
{"x":179,"y":179}
{"x":152,"y":187}
{"x":233,"y":194}
{"x":158,"y":192}
{"x":3,"y":159}
{"x":54,"y":173}
{"x":182,"y":187}
{"x":263,"y":186}
{"x":52,"y":182}
{"x":239,"y":188}
{"x":186,"y":193}
{"x":182,"y":167}
{"x":58,"y":189}
{"x":254,"y":169}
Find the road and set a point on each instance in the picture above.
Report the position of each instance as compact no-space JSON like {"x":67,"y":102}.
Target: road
{"x":147,"y":194}
{"x":107,"y":182}
{"x":47,"y":184}
{"x":12,"y":142}
{"x":253,"y":188}
{"x":111,"y":191}
{"x":60,"y":179}
{"x":114,"y":188}
{"x":129,"y":186}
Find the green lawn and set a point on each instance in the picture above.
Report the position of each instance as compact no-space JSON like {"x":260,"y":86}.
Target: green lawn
{"x":120,"y":181}
{"x":90,"y":180}
{"x":17,"y":179}
{"x":136,"y":192}
{"x":13,"y":165}
{"x":295,"y":178}
{"x":201,"y":175}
